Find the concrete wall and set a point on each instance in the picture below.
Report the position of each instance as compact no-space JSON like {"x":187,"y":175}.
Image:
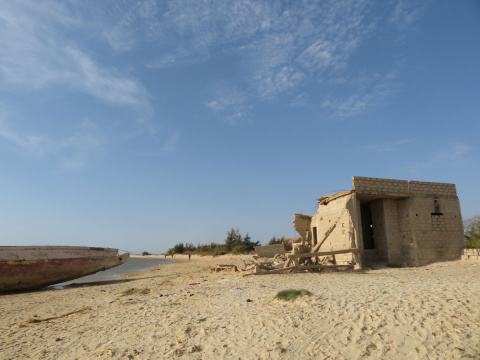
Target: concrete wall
{"x":439,"y":236}
{"x":393,"y":234}
{"x":269,"y":251}
{"x":421,"y":221}
{"x":406,"y":234}
{"x":470,"y":254}
{"x":366,"y":185}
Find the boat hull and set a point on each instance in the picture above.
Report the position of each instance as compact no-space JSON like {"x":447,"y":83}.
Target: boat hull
{"x":34,"y":267}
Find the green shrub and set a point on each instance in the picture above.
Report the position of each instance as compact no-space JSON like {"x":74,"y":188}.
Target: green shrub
{"x":145,"y":253}
{"x":291,"y":294}
{"x":473,"y":243}
{"x":219,"y":251}
{"x":242,"y":249}
{"x":471,"y":227}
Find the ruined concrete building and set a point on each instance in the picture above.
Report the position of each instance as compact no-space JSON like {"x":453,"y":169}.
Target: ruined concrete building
{"x":391,"y":221}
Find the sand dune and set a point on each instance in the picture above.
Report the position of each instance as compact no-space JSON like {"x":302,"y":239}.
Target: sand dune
{"x":186,"y":311}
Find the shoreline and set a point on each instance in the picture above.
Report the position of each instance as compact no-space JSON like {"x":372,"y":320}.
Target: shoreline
{"x":186,"y":311}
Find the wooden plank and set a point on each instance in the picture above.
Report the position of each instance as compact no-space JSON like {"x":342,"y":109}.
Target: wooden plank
{"x":322,"y":253}
{"x":302,"y":267}
{"x":327,"y":234}
{"x":275,"y":271}
{"x":324,"y":266}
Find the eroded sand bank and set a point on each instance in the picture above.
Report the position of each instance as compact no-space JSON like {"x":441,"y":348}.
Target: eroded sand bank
{"x":186,"y":311}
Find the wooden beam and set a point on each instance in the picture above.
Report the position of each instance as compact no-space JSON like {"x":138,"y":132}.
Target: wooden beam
{"x":322,"y":253}
{"x":274,"y":271}
{"x":301,"y":267}
{"x":327,"y":234}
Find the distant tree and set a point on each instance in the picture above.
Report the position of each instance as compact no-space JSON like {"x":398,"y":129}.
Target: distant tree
{"x":145,"y":253}
{"x":177,"y":249}
{"x":233,"y":239}
{"x":471,"y":227}
{"x":189,"y":247}
{"x":273,"y":241}
{"x":247,"y":241}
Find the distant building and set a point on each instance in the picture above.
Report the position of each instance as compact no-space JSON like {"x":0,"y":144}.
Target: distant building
{"x":392,"y":221}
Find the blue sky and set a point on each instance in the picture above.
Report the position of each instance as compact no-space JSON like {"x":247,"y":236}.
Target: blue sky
{"x":141,"y":124}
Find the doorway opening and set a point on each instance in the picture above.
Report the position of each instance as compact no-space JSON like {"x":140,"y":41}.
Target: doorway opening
{"x":367,"y":227}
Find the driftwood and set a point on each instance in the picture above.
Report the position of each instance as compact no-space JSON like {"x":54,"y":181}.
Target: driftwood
{"x":31,"y":321}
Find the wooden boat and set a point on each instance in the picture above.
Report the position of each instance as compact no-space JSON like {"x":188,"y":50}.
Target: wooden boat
{"x":34,"y":267}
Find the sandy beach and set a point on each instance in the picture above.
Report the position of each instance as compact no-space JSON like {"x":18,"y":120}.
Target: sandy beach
{"x":185,"y":310}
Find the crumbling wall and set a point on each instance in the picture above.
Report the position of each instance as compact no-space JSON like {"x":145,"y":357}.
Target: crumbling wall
{"x":334,"y":227}
{"x":301,"y":224}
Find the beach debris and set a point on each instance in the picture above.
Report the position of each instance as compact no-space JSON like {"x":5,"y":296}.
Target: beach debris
{"x":31,"y":321}
{"x":58,"y":339}
{"x":107,"y":352}
{"x":194,"y":284}
{"x":171,"y":304}
{"x":232,"y":268}
{"x":201,"y":319}
{"x":132,"y":291}
{"x":279,"y":349}
{"x":302,"y":258}
{"x":193,"y":349}
{"x":249,"y":300}
{"x":384,"y":292}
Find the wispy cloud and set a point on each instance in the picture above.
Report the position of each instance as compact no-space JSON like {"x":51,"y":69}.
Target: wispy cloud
{"x":395,"y":145}
{"x":171,"y":142}
{"x":37,"y":53}
{"x":83,"y":147}
{"x":406,"y":12}
{"x":364,"y":93}
{"x":276,"y":48}
{"x":456,"y":153}
{"x":273,"y":48}
{"x":229,"y":103}
{"x":80,"y":148}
